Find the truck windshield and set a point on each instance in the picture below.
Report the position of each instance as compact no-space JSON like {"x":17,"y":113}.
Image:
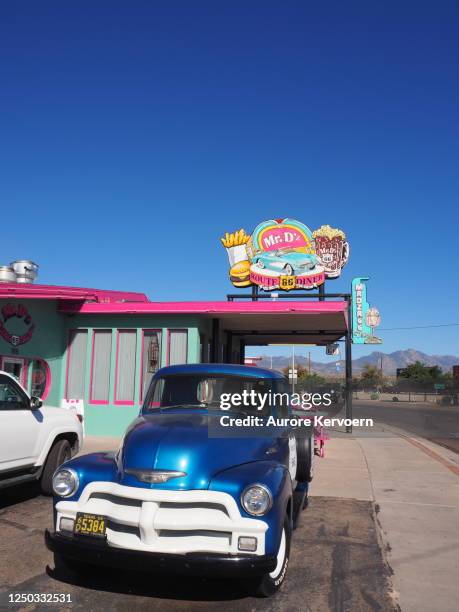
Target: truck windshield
{"x":221,"y":392}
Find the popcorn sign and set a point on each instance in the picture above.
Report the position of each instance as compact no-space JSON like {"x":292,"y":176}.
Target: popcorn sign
{"x":285,"y":254}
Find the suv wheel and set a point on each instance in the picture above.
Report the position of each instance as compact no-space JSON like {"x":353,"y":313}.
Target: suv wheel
{"x":268,"y":584}
{"x":60,"y":452}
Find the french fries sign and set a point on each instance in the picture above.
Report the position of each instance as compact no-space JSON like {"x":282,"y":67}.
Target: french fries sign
{"x":284,"y":254}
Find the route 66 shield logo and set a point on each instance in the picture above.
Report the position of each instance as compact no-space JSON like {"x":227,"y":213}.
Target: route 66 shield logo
{"x":286,"y":283}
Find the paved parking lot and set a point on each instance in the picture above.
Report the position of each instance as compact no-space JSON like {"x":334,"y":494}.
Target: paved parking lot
{"x":336,"y":565}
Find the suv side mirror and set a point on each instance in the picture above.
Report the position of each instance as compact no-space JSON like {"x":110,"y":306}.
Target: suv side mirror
{"x":35,"y":403}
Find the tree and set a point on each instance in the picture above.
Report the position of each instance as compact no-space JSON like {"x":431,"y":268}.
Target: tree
{"x":310,"y":380}
{"x":371,"y":377}
{"x":423,"y":375}
{"x":300,"y":370}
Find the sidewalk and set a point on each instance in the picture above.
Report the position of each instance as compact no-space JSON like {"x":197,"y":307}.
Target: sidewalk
{"x":415,"y":488}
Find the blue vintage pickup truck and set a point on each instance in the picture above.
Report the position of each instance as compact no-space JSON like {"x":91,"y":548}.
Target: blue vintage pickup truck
{"x":185,"y":493}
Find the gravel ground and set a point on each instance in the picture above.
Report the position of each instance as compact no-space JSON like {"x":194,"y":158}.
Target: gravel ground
{"x":336,"y":564}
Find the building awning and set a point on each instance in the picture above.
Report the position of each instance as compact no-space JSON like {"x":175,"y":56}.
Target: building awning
{"x":257,"y":322}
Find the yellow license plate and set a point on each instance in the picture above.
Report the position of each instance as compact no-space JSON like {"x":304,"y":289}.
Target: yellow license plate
{"x":90,"y":524}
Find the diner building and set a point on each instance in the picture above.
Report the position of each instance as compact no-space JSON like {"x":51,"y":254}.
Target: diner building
{"x":103,"y":347}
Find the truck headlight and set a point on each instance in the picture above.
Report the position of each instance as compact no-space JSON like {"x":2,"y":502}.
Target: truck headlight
{"x":257,"y":499}
{"x":65,"y":482}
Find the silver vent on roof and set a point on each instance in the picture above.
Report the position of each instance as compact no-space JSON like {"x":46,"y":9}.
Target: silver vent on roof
{"x":7,"y":275}
{"x":26,"y":270}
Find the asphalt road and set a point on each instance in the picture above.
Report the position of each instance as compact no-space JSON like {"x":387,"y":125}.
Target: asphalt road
{"x":336,"y":565}
{"x":439,"y":424}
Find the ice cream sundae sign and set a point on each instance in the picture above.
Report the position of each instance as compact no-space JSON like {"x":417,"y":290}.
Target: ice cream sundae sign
{"x":284,"y":254}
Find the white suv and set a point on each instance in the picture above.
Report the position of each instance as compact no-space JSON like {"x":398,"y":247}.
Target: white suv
{"x":34,"y":439}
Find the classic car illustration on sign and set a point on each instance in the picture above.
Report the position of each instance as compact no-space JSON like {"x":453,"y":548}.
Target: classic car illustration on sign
{"x":287,"y":260}
{"x":180,"y":495}
{"x":285,"y":254}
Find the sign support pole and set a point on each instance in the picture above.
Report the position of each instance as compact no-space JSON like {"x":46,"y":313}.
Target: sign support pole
{"x":348,"y":355}
{"x":322,"y":292}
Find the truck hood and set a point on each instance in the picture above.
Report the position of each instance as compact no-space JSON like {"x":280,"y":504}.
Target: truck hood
{"x":179,"y":440}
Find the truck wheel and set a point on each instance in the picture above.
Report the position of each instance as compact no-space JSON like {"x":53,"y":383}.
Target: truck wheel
{"x":61,"y":451}
{"x":305,"y":459}
{"x":268,"y":584}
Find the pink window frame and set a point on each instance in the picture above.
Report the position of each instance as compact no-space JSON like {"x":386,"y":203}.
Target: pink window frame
{"x":116,"y":401}
{"x":169,"y":331}
{"x":47,"y":374}
{"x":91,"y":400}
{"x":160,"y":332}
{"x":69,"y":352}
{"x":25,"y":367}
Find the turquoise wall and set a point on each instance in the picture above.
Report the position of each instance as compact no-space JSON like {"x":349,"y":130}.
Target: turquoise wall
{"x":47,"y":342}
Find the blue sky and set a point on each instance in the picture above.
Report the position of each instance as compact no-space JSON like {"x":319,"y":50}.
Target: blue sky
{"x":134,"y":134}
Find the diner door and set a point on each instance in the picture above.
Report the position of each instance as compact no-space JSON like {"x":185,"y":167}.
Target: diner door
{"x":14,"y":366}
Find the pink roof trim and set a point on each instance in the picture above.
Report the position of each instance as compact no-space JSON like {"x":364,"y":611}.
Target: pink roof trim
{"x":208,"y":308}
{"x":54,"y":292}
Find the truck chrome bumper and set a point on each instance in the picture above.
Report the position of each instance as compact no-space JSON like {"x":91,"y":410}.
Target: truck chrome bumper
{"x":198,"y":564}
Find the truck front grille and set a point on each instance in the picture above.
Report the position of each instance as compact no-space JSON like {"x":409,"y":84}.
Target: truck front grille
{"x":159,"y":520}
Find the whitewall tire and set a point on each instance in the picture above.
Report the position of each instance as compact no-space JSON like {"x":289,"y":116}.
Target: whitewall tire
{"x":268,"y":584}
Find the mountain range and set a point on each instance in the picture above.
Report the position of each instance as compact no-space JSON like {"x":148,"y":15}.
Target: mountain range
{"x":390,"y":362}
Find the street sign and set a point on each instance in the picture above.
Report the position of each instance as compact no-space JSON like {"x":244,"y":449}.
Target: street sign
{"x":332,"y":349}
{"x":439,"y":386}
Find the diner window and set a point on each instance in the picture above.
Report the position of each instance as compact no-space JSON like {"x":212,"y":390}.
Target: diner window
{"x":125,"y":366}
{"x":151,"y":357}
{"x":76,"y":364}
{"x":178,"y":346}
{"x":100,"y":366}
{"x":39,"y":381}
